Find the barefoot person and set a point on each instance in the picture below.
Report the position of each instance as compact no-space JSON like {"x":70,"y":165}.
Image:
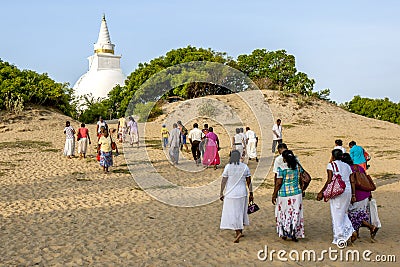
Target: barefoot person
{"x":195,"y":137}
{"x":69,"y":148}
{"x":234,"y":179}
{"x":238,"y":142}
{"x":252,"y":140}
{"x":342,"y":227}
{"x":83,"y":140}
{"x":133,"y":131}
{"x":121,"y":129}
{"x":100,"y":123}
{"x":164,"y":135}
{"x":288,"y":199}
{"x":174,"y":143}
{"x":277,"y":134}
{"x":211,"y":155}
{"x":184,"y":133}
{"x":105,"y":149}
{"x":358,"y":210}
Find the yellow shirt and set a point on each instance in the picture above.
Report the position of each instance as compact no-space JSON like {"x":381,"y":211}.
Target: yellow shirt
{"x":122,"y":122}
{"x":164,"y":132}
{"x":105,"y":144}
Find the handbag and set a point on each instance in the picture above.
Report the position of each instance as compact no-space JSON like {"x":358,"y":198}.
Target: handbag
{"x":362,"y":180}
{"x":305,"y":178}
{"x":336,"y":187}
{"x":253,"y":207}
{"x":373,"y":213}
{"x":113,"y":144}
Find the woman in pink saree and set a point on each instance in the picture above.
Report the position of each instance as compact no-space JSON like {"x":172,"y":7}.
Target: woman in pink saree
{"x":211,"y":155}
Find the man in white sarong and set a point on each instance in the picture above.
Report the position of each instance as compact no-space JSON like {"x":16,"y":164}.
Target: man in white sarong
{"x":251,"y":147}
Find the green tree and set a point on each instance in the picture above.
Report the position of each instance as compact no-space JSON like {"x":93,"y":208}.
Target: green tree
{"x":33,"y":88}
{"x":382,"y":109}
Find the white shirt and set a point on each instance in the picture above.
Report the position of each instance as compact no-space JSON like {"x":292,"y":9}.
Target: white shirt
{"x":101,"y":124}
{"x":251,"y":136}
{"x":244,"y":137}
{"x":196,"y":134}
{"x":279,"y":163}
{"x":277,"y":129}
{"x":132,"y":125}
{"x":239,"y":139}
{"x":236,"y":184}
{"x":341,"y":148}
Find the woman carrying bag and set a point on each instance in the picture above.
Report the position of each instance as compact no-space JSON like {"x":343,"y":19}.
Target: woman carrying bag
{"x":339,"y":204}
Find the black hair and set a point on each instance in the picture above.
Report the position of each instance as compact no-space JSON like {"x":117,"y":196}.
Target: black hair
{"x":235,"y":157}
{"x":282,"y":145}
{"x":67,"y":123}
{"x":337,"y":154}
{"x":210,"y":129}
{"x":206,"y":126}
{"x":82,"y":125}
{"x":278,"y":120}
{"x":352,"y":143}
{"x":339,"y":142}
{"x":347,"y":159}
{"x":247,"y":128}
{"x":195,"y":125}
{"x":290,"y":159}
{"x":237,"y":130}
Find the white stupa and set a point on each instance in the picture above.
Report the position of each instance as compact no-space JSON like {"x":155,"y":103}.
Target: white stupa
{"x":104,"y":68}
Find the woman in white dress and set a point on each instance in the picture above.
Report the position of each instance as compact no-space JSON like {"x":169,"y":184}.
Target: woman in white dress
{"x":69,"y":148}
{"x":342,"y":228}
{"x":234,"y":211}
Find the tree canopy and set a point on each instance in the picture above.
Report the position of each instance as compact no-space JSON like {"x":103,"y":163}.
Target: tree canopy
{"x":274,"y":70}
{"x":268,"y":69}
{"x":19,"y":88}
{"x":382,"y":109}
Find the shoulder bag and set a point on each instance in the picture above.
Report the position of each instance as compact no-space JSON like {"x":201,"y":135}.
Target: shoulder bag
{"x":362,"y":180}
{"x":305,"y":178}
{"x":336,"y":187}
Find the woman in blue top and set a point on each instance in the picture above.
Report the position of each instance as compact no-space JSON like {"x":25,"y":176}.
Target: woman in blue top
{"x":288,"y":199}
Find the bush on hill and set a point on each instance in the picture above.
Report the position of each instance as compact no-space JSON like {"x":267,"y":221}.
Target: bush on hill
{"x":19,"y":88}
{"x":268,"y":69}
{"x":382,"y":109}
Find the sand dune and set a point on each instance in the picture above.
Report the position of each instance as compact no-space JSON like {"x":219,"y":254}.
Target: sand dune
{"x":60,"y":212}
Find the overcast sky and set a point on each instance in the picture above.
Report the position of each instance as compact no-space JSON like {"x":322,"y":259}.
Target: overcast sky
{"x":351,"y":47}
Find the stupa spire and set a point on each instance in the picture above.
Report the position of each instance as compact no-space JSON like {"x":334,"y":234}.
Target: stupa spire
{"x":104,"y":44}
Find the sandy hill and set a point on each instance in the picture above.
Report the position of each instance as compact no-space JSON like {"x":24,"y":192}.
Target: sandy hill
{"x":60,"y":212}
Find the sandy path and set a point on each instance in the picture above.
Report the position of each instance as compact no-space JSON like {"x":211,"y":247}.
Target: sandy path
{"x":59,"y":212}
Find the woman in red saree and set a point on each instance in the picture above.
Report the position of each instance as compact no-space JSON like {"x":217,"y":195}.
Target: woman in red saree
{"x":211,"y":155}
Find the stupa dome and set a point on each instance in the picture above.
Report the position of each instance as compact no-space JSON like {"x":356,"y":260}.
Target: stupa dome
{"x":104,"y":68}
